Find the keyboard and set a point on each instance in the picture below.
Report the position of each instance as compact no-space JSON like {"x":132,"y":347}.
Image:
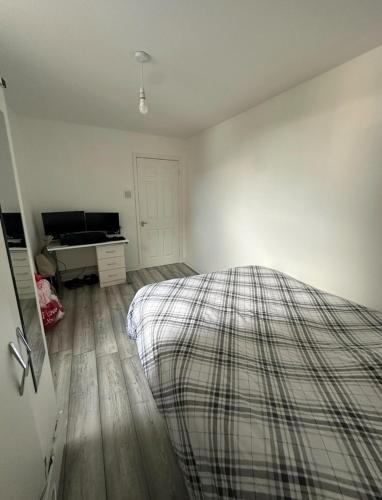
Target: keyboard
{"x":115,"y":238}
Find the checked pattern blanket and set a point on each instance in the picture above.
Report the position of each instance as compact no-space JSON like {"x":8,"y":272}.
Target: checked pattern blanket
{"x":270,"y":388}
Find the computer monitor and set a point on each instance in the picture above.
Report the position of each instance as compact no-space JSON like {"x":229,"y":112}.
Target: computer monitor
{"x":13,"y":225}
{"x":102,"y":221}
{"x":57,"y":223}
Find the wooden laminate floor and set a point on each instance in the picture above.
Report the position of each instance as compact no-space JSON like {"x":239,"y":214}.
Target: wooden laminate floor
{"x":117,"y":443}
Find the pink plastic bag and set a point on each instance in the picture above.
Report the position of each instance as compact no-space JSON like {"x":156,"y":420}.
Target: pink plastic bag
{"x":51,"y":308}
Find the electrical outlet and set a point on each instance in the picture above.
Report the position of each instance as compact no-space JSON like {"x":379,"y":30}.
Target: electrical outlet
{"x":128,"y":195}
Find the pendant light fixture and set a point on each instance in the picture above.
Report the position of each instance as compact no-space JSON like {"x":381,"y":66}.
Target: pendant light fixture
{"x":142,"y":57}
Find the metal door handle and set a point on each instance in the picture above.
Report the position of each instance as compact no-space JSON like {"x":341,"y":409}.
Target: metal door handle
{"x":27,"y":347}
{"x":25,"y":366}
{"x":13,"y":350}
{"x":143,"y":223}
{"x":23,"y":339}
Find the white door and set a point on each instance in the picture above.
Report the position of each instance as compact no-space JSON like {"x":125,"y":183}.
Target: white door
{"x":21,"y":457}
{"x":158,"y":206}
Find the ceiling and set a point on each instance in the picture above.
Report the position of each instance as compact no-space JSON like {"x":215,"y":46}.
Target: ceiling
{"x":72,"y":60}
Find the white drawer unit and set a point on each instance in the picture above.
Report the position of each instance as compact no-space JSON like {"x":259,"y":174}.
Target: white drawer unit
{"x":22,"y":273}
{"x":107,"y":251}
{"x":108,"y":278}
{"x":19,"y":257}
{"x":111,"y":264}
{"x":25,"y":289}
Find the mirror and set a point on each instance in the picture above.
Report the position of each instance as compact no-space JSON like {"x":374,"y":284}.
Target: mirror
{"x":23,"y":276}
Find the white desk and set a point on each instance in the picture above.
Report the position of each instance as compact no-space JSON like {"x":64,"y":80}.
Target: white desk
{"x":111,"y":262}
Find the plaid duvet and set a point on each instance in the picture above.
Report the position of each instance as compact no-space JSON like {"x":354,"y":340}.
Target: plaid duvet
{"x":270,"y":388}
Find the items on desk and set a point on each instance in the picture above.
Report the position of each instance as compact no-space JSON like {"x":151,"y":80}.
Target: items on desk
{"x":82,"y":228}
{"x":85,"y":238}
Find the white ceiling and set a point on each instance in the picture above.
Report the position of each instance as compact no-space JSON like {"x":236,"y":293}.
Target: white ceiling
{"x":72,"y":59}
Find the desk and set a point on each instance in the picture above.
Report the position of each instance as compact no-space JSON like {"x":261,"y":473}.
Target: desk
{"x":111,"y":262}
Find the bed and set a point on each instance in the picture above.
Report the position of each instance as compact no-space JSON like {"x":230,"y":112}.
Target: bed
{"x":270,"y":388}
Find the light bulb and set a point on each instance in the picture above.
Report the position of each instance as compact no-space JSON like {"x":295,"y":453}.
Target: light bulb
{"x":142,"y":101}
{"x":143,"y":106}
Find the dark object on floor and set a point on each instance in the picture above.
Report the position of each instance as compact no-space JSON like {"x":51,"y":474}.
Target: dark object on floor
{"x":88,"y":279}
{"x":74,"y":283}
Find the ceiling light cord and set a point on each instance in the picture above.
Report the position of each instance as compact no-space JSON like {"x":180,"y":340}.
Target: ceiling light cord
{"x":141,"y":75}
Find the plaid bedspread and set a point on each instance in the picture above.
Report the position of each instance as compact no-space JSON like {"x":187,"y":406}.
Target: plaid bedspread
{"x":270,"y":388}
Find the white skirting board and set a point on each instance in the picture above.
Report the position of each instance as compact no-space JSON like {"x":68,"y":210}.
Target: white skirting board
{"x":193,"y":267}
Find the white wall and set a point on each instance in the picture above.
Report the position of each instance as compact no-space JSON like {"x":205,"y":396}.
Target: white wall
{"x":296,"y":184}
{"x":65,"y":166}
{"x":31,"y":228}
{"x":8,"y":194}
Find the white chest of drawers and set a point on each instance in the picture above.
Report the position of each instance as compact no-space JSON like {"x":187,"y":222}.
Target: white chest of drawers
{"x":22,"y":273}
{"x":111,"y":264}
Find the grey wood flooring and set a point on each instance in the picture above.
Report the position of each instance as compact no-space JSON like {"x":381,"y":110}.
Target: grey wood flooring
{"x":117,"y":444}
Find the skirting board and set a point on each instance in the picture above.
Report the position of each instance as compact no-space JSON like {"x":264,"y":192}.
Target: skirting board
{"x":193,"y":267}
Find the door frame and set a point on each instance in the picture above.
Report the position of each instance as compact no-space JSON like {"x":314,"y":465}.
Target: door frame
{"x":136,"y":156}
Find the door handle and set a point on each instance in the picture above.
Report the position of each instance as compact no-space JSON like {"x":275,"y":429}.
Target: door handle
{"x":25,"y":366}
{"x":13,"y":350}
{"x":143,"y":223}
{"x":27,"y":347}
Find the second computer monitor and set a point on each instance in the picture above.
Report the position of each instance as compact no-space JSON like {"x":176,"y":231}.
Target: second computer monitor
{"x":102,"y":221}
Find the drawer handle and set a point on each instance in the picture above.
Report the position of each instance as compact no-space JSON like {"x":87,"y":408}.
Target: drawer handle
{"x":113,"y":275}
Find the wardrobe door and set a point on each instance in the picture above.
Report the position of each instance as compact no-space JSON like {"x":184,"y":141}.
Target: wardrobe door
{"x":13,"y":219}
{"x":31,"y":435}
{"x":21,"y":458}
